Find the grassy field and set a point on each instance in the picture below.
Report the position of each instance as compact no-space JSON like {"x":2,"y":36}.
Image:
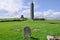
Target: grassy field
{"x":8,"y":30}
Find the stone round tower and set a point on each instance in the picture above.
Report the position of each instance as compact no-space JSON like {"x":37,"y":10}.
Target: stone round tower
{"x":32,"y":10}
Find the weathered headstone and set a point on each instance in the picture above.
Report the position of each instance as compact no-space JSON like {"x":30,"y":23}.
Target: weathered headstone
{"x":27,"y":32}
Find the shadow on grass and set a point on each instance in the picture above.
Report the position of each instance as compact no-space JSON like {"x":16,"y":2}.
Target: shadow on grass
{"x":33,"y":38}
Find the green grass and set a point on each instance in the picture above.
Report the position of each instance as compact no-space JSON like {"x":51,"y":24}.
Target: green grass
{"x":8,"y":32}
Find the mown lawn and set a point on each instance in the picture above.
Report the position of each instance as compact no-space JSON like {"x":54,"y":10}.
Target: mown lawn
{"x":8,"y":30}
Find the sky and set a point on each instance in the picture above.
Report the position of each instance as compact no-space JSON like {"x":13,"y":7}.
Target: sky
{"x":48,"y":9}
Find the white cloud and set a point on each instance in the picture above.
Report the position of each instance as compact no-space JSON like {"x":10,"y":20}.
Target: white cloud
{"x":50,"y":14}
{"x":26,"y":13}
{"x":11,"y":6}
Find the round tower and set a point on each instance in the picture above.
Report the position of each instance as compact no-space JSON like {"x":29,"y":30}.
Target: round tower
{"x":32,"y":11}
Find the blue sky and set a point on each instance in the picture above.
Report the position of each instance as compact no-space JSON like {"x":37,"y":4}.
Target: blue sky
{"x":49,"y":4}
{"x":49,"y":9}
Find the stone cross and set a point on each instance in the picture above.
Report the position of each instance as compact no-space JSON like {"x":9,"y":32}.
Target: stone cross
{"x":27,"y":32}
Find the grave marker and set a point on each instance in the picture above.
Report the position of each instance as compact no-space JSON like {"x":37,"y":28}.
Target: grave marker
{"x":27,"y":32}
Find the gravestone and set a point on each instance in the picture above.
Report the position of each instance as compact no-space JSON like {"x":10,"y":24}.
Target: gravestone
{"x":27,"y":32}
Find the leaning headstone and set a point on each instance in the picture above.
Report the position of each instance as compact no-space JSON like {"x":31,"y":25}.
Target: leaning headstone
{"x":27,"y":32}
